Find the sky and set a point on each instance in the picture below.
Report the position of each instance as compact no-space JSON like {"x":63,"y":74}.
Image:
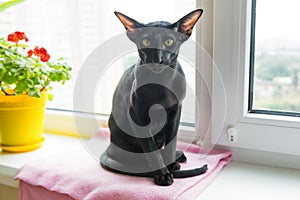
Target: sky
{"x":278,"y":19}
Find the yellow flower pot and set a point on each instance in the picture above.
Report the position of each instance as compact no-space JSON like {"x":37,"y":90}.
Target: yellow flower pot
{"x":21,"y":122}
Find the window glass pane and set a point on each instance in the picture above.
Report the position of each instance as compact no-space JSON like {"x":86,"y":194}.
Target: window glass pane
{"x":276,"y":85}
{"x":74,"y":28}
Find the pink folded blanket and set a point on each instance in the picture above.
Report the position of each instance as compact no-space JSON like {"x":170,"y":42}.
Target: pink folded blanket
{"x":80,"y":176}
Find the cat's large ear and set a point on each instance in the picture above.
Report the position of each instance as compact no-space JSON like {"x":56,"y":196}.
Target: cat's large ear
{"x":129,"y":23}
{"x":186,"y":24}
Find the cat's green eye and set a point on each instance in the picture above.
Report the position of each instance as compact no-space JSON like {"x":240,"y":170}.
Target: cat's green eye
{"x":146,"y":42}
{"x":169,"y":42}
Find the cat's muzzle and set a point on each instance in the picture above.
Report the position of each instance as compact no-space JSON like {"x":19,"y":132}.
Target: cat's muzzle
{"x":157,"y":68}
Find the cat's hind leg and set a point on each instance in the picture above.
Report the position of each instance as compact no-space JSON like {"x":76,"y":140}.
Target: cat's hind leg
{"x":180,"y":157}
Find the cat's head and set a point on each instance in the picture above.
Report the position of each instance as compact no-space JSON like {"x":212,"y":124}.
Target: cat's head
{"x":159,"y":42}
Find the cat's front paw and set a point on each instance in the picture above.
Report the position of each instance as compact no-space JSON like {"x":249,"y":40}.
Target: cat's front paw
{"x":163,"y":180}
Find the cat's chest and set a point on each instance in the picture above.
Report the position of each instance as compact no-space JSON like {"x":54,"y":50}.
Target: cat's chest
{"x":151,"y":94}
{"x":166,"y":88}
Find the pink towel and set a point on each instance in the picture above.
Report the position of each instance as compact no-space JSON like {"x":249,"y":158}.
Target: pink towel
{"x":79,"y":176}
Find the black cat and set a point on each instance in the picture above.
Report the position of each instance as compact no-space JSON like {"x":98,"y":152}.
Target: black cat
{"x":147,"y":103}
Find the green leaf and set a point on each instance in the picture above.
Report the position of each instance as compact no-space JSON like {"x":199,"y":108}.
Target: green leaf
{"x":50,"y":96}
{"x":2,"y":71}
{"x":8,"y":4}
{"x":35,"y":80}
{"x":29,"y":83}
{"x":8,"y":78}
{"x":34,"y":93}
{"x":21,"y":86}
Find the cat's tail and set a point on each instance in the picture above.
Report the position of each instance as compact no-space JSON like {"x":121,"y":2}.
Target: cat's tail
{"x":111,"y":164}
{"x":189,"y":172}
{"x":175,"y":173}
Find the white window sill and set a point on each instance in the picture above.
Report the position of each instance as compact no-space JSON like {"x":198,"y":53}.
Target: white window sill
{"x":236,"y":181}
{"x":249,"y":181}
{"x":10,"y":163}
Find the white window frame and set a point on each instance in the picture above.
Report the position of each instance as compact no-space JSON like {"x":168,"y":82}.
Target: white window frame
{"x":67,"y":122}
{"x":224,"y":32}
{"x":276,"y":135}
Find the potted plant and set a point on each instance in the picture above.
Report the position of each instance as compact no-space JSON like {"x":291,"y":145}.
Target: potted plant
{"x":25,"y":76}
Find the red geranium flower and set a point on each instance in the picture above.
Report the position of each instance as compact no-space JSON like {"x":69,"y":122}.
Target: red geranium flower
{"x":41,"y":52}
{"x":17,"y":36}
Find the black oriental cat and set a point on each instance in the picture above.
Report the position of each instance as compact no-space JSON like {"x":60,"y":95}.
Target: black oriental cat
{"x":147,"y":104}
